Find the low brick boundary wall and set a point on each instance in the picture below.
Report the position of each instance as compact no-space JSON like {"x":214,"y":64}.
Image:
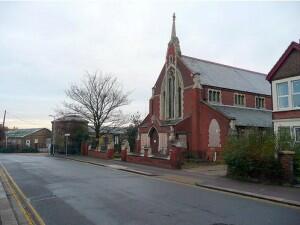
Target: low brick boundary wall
{"x":150,"y":161}
{"x":109,"y":154}
{"x":286,"y":159}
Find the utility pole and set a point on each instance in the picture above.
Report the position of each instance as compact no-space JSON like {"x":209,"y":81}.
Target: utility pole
{"x":67,"y":135}
{"x":3,"y":125}
{"x":4,"y":119}
{"x":53,"y":135}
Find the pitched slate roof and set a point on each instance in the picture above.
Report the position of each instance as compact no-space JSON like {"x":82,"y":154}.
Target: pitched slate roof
{"x":246,"y":116}
{"x":20,"y":133}
{"x":223,"y":76}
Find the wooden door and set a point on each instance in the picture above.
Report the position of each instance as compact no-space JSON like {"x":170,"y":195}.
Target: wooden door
{"x":154,"y":141}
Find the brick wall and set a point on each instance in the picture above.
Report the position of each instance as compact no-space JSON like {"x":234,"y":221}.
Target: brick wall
{"x":286,"y":114}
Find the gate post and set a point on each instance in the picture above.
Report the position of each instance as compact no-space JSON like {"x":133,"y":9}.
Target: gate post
{"x":286,"y":159}
{"x":124,"y":154}
{"x":176,"y":157}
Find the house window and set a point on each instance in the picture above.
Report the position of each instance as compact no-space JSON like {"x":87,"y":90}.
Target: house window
{"x":214,"y":96}
{"x":297,"y":134}
{"x":239,"y":99}
{"x":259,"y":102}
{"x":116,"y":140}
{"x":296,"y":93}
{"x":283,"y":95}
{"x":284,"y":132}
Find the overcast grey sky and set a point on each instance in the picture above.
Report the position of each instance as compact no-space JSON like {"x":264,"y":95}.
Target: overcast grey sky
{"x":44,"y":47}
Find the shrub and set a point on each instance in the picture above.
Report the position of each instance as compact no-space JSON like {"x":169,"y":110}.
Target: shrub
{"x":253,"y":157}
{"x":18,"y":150}
{"x":297,"y":162}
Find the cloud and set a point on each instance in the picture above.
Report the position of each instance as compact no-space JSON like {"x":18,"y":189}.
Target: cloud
{"x":47,"y":46}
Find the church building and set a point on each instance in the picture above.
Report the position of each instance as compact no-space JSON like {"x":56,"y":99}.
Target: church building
{"x":196,"y":104}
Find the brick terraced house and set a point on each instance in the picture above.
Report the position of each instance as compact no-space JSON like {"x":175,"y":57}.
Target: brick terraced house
{"x":196,"y":103}
{"x":285,"y":79}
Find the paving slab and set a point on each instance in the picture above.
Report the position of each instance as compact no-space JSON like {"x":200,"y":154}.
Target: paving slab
{"x":7,"y":215}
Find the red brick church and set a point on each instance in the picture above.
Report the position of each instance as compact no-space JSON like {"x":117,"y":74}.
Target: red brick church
{"x":196,"y":103}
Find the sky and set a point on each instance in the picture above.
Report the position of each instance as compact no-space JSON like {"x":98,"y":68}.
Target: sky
{"x":47,"y":46}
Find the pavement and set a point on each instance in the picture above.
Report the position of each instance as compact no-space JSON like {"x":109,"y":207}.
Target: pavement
{"x":7,"y":216}
{"x":68,"y":192}
{"x":207,"y":176}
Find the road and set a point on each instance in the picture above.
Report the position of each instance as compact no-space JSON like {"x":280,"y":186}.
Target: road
{"x":66,"y":192}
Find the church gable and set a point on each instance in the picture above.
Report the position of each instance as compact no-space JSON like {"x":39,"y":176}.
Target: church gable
{"x":183,"y":72}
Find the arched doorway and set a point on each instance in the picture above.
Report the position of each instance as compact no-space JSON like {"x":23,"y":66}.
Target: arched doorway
{"x":214,"y":139}
{"x":154,"y":140}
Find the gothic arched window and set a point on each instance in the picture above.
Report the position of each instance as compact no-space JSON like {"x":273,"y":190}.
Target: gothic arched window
{"x":179,"y":101}
{"x":171,"y":95}
{"x":171,"y":87}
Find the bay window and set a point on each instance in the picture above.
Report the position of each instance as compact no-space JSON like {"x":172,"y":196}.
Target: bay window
{"x":297,"y":134}
{"x":296,"y":93}
{"x":283,"y":95}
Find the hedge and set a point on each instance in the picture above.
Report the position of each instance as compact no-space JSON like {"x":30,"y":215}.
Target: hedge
{"x":253,"y":156}
{"x":18,"y":150}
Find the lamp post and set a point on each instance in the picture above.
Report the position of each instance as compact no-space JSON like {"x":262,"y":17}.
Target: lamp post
{"x":67,"y":135}
{"x":53,"y":135}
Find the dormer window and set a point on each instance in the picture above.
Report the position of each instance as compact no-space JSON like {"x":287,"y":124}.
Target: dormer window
{"x":214,"y":96}
{"x":239,"y":99}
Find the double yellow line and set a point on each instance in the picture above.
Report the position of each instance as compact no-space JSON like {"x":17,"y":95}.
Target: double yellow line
{"x":31,"y":215}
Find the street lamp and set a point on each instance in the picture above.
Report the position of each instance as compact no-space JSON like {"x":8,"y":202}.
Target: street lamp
{"x":67,"y":135}
{"x":53,"y":134}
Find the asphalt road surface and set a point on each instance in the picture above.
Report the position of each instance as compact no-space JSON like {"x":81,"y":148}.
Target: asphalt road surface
{"x":66,"y":192}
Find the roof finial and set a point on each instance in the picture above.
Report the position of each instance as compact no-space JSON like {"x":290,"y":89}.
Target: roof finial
{"x":173,"y":34}
{"x":174,"y":39}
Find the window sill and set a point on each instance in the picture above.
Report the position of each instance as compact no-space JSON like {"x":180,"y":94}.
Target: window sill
{"x":286,"y":109}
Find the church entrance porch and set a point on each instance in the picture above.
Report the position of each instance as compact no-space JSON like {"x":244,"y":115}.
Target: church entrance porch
{"x":154,"y":141}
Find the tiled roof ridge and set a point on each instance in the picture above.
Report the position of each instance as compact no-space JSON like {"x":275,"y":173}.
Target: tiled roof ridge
{"x":221,"y":64}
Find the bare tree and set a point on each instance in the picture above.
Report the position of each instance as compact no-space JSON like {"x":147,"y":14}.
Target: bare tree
{"x":98,"y":99}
